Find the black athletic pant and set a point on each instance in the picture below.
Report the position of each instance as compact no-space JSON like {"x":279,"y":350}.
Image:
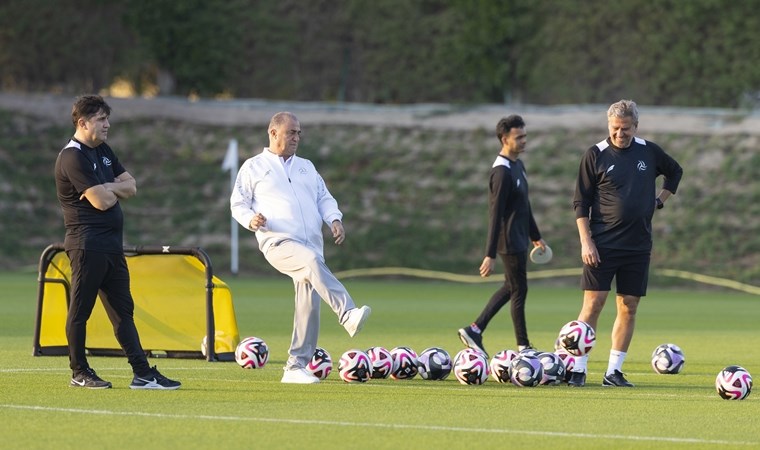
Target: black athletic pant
{"x":515,"y":288}
{"x":94,"y":273}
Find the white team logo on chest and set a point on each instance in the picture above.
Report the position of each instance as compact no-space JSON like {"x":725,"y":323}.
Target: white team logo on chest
{"x":106,"y":161}
{"x":641,"y":166}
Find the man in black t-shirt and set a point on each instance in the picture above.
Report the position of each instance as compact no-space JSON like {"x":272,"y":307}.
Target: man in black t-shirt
{"x":511,"y":227}
{"x":615,"y":199}
{"x":90,"y":181}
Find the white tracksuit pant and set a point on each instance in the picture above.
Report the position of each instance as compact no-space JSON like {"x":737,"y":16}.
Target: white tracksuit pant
{"x":312,"y":280}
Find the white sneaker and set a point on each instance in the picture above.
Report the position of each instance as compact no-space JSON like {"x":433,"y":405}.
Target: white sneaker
{"x":356,"y":319}
{"x":298,"y":376}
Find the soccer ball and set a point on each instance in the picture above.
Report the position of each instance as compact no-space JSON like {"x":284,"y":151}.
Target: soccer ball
{"x":554,"y":368}
{"x":500,"y":365}
{"x":733,"y":383}
{"x":320,"y":364}
{"x":568,"y":360}
{"x":558,"y":345}
{"x":355,"y":367}
{"x":577,"y":337}
{"x":529,"y":351}
{"x":527,"y":371}
{"x":668,"y":359}
{"x":252,"y":353}
{"x":434,"y":363}
{"x":404,"y":363}
{"x":382,"y":362}
{"x":471,"y":367}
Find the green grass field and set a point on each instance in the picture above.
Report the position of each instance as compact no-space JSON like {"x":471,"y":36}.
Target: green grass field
{"x":223,"y":406}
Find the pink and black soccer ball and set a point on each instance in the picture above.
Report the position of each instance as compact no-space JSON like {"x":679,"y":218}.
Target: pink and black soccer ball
{"x":382,"y":362}
{"x":668,"y":359}
{"x":554,"y":368}
{"x":568,"y":360}
{"x":404,"y":363}
{"x":733,"y":383}
{"x":577,"y":337}
{"x":434,"y":363}
{"x":471,"y":367}
{"x":252,"y":353}
{"x":321,"y":364}
{"x":355,"y":367}
{"x":500,"y":365}
{"x":527,"y":371}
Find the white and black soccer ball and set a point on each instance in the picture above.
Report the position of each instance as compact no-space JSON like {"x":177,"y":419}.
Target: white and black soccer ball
{"x":527,"y":371}
{"x":733,"y":383}
{"x":568,"y":360}
{"x":553,"y":368}
{"x":355,"y":367}
{"x":252,"y":353}
{"x":382,"y":362}
{"x":577,"y":337}
{"x":434,"y":363}
{"x":668,"y":359}
{"x":500,"y":365}
{"x":471,"y":367}
{"x":404,"y":363}
{"x":529,"y":352}
{"x":558,"y":345}
{"x":320,"y":365}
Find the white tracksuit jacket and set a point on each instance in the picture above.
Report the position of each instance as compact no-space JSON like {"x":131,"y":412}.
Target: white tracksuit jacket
{"x":295,"y":203}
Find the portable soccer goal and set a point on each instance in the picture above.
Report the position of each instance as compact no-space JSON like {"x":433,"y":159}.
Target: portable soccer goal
{"x":181,"y":309}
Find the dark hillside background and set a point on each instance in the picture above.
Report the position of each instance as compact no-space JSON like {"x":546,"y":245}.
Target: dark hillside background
{"x":696,"y":53}
{"x":412,"y":196}
{"x":397,"y":99}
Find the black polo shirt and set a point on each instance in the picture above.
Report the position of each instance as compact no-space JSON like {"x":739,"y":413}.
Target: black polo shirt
{"x":616,"y":190}
{"x":77,"y":168}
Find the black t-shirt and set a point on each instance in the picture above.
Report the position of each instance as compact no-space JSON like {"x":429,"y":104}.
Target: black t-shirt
{"x":510,"y":223}
{"x":616,"y":190}
{"x":77,"y":168}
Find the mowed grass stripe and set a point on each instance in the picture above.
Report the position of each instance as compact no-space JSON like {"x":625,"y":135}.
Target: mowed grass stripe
{"x":330,"y":423}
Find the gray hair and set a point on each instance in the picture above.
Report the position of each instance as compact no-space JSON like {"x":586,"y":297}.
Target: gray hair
{"x":280,"y":118}
{"x":624,"y":108}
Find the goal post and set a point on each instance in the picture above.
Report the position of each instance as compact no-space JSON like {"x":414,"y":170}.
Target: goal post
{"x":180,"y":306}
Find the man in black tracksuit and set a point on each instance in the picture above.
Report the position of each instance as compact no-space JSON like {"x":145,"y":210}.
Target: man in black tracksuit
{"x":615,"y":199}
{"x":90,"y":181}
{"x":511,"y":227}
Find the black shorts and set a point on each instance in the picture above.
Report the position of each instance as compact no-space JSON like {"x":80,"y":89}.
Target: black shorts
{"x":630,"y":270}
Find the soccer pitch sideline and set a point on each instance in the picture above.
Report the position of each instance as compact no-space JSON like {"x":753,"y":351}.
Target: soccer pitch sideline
{"x":221,"y":405}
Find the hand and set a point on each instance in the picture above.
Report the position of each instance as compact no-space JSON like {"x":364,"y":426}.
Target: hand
{"x":258,"y":221}
{"x":540,"y":243}
{"x":338,"y":232}
{"x":486,"y":267}
{"x":589,"y":254}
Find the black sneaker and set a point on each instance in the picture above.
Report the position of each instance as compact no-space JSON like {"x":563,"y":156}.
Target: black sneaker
{"x":89,"y":379}
{"x":577,"y":379}
{"x":616,"y":379}
{"x":472,"y":339}
{"x":154,"y":380}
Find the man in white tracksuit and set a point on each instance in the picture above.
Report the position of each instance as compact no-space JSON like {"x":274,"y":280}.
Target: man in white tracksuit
{"x":284,"y":200}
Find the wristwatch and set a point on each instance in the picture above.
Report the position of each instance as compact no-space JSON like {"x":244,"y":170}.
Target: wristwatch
{"x":659,"y":202}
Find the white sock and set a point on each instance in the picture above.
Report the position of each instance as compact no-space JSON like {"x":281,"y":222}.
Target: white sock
{"x":616,"y":361}
{"x":580,"y":363}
